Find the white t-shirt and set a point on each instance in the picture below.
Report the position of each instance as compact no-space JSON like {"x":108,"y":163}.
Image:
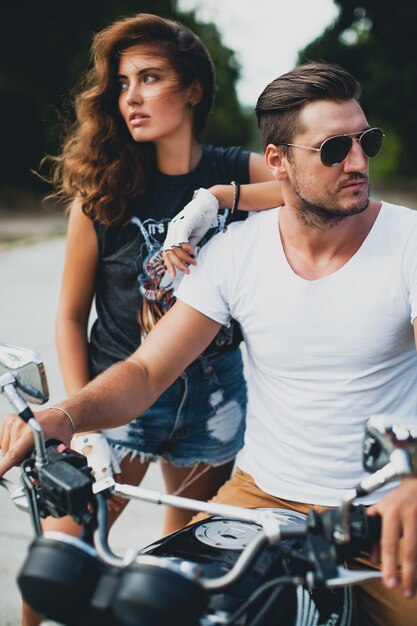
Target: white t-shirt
{"x":323,"y":355}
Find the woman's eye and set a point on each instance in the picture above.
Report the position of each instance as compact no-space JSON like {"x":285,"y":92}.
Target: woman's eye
{"x":150,"y":78}
{"x":123,"y":86}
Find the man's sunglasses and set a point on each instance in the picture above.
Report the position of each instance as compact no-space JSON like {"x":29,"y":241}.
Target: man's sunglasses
{"x":335,"y":149}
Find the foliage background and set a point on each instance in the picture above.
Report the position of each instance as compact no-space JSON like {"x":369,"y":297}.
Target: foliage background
{"x":377,"y":41}
{"x":44,"y":52}
{"x":44,"y":48}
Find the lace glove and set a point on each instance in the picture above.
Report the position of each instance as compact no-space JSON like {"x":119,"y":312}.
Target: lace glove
{"x":100,"y":456}
{"x":192,"y":223}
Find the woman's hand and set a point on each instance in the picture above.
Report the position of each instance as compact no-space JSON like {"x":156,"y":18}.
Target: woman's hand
{"x":187,"y":229}
{"x":179,"y":258}
{"x":101,"y":458}
{"x":100,"y":455}
{"x":398,"y":510}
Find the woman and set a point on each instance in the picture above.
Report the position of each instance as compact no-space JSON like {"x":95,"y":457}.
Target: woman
{"x":133,"y":160}
{"x":130,"y":164}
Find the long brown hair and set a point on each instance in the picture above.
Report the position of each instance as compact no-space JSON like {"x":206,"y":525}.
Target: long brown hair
{"x":100,"y":163}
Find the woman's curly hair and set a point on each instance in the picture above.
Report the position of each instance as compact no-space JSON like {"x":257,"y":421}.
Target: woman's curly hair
{"x":100,"y":163}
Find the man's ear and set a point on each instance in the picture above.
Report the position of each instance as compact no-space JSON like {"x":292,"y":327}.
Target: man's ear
{"x":276,"y":161}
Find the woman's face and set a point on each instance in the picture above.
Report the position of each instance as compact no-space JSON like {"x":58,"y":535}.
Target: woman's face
{"x":151,"y":101}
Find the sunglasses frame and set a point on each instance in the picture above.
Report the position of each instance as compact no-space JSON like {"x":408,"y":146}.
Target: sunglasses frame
{"x":361,"y":133}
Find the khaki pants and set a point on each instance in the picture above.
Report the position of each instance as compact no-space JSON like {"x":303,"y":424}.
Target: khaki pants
{"x":375,"y":604}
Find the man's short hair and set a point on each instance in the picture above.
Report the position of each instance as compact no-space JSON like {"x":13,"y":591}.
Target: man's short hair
{"x":280,"y":102}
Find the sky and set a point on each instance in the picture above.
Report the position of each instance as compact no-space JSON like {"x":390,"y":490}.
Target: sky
{"x":265,"y":34}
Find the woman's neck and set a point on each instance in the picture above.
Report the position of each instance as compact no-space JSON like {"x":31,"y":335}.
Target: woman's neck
{"x":175,"y":157}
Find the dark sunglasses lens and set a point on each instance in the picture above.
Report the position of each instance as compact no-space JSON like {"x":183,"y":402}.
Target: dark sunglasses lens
{"x":335,"y":150}
{"x":372,"y":141}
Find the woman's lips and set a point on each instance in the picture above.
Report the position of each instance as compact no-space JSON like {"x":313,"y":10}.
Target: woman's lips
{"x":138,"y":119}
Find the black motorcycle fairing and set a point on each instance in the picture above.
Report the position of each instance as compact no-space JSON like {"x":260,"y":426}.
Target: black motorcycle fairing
{"x":149,"y":595}
{"x":289,"y":606}
{"x":58,"y":579}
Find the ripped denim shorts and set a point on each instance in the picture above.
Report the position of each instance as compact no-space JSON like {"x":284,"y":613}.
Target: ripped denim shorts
{"x":200,"y":418}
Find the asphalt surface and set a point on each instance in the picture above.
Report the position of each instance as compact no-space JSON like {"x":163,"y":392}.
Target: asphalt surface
{"x":29,"y":283}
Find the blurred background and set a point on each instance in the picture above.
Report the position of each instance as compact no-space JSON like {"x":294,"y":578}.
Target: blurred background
{"x":44,"y":52}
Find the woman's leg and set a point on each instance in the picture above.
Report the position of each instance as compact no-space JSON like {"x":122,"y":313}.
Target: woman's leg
{"x":200,"y":482}
{"x":133,"y":471}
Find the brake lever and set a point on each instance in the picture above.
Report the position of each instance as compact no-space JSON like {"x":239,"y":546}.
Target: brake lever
{"x":348,"y":578}
{"x":17,"y":494}
{"x":103,"y":484}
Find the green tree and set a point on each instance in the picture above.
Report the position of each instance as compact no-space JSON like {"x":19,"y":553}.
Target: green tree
{"x":44,"y":47}
{"x":376,"y":40}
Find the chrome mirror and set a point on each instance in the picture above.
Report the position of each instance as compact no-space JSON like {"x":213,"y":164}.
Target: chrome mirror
{"x":28,"y":371}
{"x":383,"y":435}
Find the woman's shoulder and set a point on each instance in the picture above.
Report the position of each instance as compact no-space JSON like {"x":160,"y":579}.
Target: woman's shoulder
{"x":224,"y":152}
{"x":225,"y":164}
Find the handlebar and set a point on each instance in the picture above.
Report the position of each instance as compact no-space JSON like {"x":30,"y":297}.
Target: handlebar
{"x":319,"y":530}
{"x":56,"y":481}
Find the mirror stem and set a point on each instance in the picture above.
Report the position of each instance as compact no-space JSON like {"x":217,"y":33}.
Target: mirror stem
{"x":398,"y":467}
{"x":8,"y":388}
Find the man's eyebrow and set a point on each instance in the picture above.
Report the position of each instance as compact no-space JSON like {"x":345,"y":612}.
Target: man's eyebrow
{"x":357,"y":132}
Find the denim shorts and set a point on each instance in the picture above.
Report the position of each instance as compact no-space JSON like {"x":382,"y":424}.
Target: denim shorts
{"x":200,"y":418}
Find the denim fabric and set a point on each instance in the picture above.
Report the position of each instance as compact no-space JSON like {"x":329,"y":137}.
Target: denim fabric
{"x":200,"y":418}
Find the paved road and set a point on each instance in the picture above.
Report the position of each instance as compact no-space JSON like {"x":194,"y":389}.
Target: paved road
{"x":29,"y":283}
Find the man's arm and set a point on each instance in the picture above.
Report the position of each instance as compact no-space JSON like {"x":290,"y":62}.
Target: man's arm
{"x":398,"y":510}
{"x":399,"y":520}
{"x":125,"y":390}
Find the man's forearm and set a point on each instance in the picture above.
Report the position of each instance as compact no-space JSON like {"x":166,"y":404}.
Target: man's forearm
{"x":117,"y":396}
{"x":123,"y":391}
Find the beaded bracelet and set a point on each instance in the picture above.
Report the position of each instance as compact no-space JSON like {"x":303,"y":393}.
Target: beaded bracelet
{"x":59,"y":408}
{"x":236,"y":194}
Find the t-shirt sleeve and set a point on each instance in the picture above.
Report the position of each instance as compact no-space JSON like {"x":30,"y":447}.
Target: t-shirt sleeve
{"x":413,"y":289}
{"x":204,"y":288}
{"x":410,"y":259}
{"x":234,"y":164}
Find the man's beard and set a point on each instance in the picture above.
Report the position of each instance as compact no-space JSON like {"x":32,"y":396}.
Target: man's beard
{"x":320,"y":216}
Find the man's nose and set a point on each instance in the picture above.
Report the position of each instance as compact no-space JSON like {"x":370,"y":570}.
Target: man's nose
{"x":356,"y":160}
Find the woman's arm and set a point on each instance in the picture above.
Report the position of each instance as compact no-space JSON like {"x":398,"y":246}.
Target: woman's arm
{"x":190,"y":225}
{"x":77,"y":292}
{"x":71,"y":329}
{"x":263,"y":191}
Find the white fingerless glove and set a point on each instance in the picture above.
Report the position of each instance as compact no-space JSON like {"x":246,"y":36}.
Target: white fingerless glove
{"x":192,"y":223}
{"x":100,"y":456}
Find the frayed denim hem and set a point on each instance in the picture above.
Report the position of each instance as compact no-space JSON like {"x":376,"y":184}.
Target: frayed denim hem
{"x":191,"y":462}
{"x":123,"y":452}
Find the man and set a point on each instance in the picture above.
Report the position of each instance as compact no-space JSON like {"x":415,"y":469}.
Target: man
{"x":325,"y":290}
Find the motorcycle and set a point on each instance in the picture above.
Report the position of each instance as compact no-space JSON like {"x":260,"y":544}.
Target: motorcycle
{"x":238,"y":567}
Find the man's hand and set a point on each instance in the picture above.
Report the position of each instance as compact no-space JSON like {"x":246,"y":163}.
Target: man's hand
{"x":16,"y":439}
{"x":398,"y":510}
{"x":187,"y":229}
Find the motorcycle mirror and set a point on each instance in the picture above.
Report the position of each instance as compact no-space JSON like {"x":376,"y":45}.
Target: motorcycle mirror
{"x":28,"y":370}
{"x":383,"y":435}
